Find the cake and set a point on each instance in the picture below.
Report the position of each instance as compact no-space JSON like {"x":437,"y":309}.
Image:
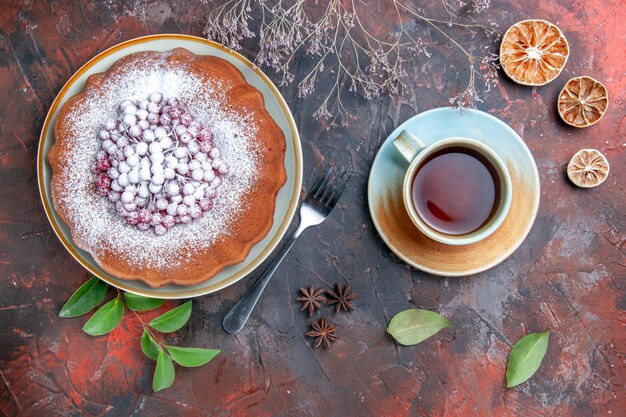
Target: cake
{"x":166,"y":167}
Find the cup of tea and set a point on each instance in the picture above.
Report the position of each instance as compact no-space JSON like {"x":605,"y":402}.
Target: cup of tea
{"x":456,"y":191}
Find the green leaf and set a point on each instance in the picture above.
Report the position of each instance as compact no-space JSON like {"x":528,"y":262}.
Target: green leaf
{"x":526,"y":357}
{"x":173,"y":319}
{"x":149,"y":346}
{"x":413,"y":326}
{"x":106,"y":318}
{"x":89,"y":295}
{"x":164,"y":373}
{"x":190,"y":356}
{"x":139,"y":303}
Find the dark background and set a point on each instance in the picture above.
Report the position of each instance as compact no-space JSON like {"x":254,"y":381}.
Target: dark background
{"x":568,"y":275}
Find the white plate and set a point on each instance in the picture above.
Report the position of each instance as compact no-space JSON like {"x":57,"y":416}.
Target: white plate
{"x":287,"y":199}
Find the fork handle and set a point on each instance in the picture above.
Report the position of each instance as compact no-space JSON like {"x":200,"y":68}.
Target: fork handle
{"x":239,"y":314}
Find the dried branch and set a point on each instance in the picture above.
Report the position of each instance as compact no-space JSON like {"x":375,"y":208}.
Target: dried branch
{"x":340,"y":42}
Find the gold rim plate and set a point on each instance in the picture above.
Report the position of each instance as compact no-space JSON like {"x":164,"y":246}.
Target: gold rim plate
{"x":287,"y":200}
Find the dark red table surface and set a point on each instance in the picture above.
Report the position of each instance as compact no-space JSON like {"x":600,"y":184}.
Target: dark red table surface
{"x":568,"y":275}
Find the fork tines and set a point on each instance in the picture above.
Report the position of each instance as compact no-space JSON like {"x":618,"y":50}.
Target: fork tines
{"x":329,"y":187}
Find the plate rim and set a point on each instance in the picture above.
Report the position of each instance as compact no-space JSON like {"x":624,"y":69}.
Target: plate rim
{"x":487,"y":266}
{"x":181,"y":292}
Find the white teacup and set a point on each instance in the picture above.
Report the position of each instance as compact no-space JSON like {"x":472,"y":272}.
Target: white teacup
{"x":415,"y":152}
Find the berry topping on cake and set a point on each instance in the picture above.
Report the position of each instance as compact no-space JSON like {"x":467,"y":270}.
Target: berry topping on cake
{"x":158,"y":164}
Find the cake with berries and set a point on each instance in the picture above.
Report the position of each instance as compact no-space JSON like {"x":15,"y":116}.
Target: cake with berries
{"x":166,"y":167}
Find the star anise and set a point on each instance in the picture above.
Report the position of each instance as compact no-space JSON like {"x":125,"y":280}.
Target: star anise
{"x":323,"y":333}
{"x":341,"y":298}
{"x":311,"y":299}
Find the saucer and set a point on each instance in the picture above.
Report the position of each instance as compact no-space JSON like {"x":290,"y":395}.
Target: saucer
{"x":398,"y":231}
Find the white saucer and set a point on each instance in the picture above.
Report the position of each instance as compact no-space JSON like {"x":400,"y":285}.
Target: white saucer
{"x":416,"y":249}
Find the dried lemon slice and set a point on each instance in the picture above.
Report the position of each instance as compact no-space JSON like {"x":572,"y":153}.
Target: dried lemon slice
{"x":533,"y":52}
{"x":583,"y":101}
{"x":588,"y":168}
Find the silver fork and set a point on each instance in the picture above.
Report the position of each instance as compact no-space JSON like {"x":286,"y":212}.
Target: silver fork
{"x":316,"y":206}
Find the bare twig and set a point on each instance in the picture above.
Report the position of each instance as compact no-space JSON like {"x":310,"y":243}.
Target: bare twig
{"x":340,"y":42}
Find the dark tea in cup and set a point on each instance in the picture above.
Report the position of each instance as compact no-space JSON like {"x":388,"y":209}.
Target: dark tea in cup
{"x":456,"y":190}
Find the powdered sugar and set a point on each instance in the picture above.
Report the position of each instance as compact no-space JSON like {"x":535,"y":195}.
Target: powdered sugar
{"x":97,"y":225}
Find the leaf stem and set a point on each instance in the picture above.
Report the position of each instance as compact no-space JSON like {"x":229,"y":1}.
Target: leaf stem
{"x":151,"y":331}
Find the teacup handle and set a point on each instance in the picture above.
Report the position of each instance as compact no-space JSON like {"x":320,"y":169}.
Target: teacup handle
{"x":408,"y":145}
